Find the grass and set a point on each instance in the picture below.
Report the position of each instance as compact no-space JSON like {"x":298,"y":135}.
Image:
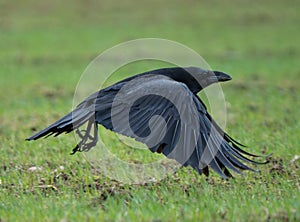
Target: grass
{"x":44,"y":48}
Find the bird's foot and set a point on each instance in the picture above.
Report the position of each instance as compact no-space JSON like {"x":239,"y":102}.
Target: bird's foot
{"x":85,"y":136}
{"x":84,"y":147}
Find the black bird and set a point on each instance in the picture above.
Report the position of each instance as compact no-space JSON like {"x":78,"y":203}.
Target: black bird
{"x":161,"y":109}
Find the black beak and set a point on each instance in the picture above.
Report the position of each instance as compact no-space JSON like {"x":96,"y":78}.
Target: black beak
{"x":222,"y":77}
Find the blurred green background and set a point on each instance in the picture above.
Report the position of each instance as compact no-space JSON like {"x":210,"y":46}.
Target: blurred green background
{"x":46,"y":45}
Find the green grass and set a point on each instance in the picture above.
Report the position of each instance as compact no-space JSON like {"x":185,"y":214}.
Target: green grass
{"x":45,"y":47}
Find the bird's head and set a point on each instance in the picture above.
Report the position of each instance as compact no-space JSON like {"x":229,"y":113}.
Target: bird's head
{"x":201,"y":78}
{"x":195,"y":78}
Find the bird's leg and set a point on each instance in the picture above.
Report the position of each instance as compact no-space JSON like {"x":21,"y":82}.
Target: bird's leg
{"x":94,"y":139}
{"x":85,"y":135}
{"x":81,"y":135}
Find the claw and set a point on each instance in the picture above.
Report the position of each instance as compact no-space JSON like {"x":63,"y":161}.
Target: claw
{"x":76,"y":148}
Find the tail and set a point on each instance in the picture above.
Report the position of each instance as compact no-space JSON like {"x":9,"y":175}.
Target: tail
{"x":66,"y":124}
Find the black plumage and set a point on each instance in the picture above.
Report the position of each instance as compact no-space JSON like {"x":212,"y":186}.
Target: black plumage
{"x":161,"y":109}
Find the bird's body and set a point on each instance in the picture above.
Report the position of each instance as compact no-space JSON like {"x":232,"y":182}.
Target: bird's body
{"x":161,"y":109}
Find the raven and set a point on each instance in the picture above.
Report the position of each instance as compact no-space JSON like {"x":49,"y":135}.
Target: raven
{"x":161,"y":109}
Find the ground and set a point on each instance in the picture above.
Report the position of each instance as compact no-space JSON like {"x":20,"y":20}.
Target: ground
{"x":46,"y":46}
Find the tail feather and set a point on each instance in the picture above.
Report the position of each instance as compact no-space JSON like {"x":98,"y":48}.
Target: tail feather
{"x":66,"y":124}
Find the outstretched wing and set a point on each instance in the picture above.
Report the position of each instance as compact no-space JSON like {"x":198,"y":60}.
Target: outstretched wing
{"x":166,"y":116}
